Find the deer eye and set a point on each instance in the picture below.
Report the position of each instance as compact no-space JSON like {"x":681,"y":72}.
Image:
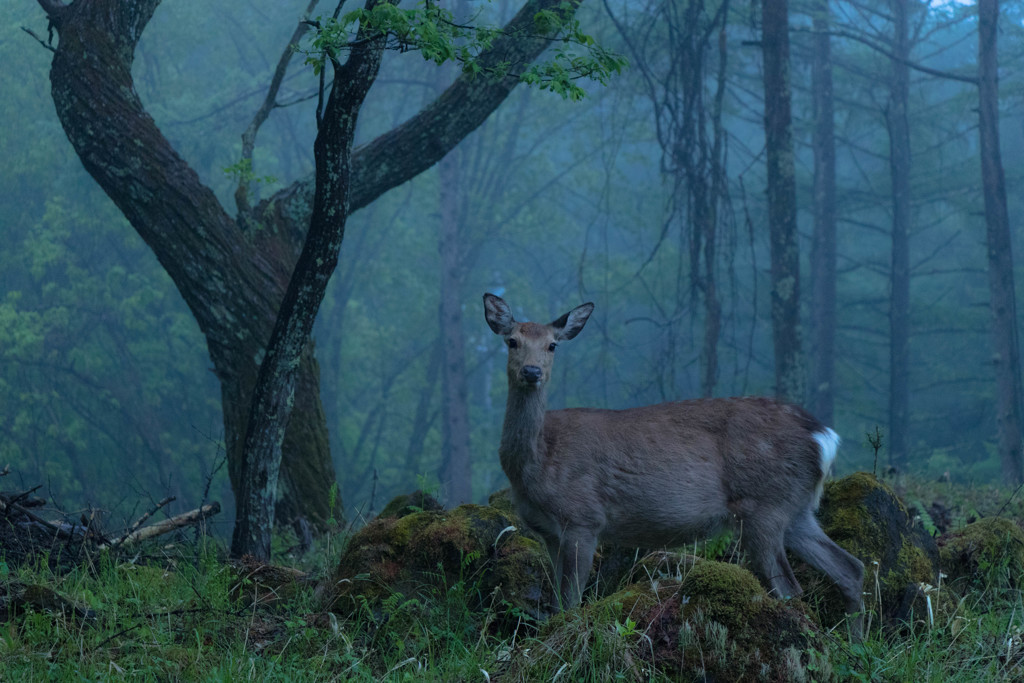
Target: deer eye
{"x":512,"y":343}
{"x":551,"y":347}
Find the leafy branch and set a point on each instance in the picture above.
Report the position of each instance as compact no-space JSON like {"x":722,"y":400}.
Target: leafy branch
{"x":433,"y":32}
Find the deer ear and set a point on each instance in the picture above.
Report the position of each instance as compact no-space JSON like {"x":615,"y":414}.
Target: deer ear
{"x":498,"y":314}
{"x":570,"y":324}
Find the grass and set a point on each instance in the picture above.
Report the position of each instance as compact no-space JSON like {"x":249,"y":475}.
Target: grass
{"x":185,"y":615}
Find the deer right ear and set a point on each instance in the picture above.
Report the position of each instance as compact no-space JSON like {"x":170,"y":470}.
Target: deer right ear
{"x":498,"y":314}
{"x":570,"y":324}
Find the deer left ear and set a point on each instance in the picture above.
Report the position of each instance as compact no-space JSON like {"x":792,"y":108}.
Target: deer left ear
{"x":570,"y":324}
{"x":498,"y":314}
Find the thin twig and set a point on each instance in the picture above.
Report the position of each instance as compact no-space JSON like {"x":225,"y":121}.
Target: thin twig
{"x":42,"y":42}
{"x":23,"y":495}
{"x":269,"y":103}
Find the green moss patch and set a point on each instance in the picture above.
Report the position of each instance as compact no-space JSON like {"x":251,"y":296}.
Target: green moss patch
{"x":717,"y":623}
{"x":865,"y":517}
{"x":986,"y":554}
{"x":427,"y":553}
{"x":408,"y":503}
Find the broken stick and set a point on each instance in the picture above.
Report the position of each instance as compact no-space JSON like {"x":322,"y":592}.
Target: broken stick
{"x":167,"y":525}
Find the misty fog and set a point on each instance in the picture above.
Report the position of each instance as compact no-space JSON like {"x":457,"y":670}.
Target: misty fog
{"x":108,"y":395}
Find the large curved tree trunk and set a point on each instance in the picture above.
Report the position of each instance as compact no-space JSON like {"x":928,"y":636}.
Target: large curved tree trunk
{"x":234,"y":281}
{"x":232,"y":284}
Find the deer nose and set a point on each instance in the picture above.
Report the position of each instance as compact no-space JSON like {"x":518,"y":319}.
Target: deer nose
{"x":531,"y":373}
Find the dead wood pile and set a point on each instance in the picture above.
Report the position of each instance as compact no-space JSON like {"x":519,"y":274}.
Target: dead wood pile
{"x":32,"y":533}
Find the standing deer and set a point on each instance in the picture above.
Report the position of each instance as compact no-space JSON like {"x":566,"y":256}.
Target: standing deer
{"x":663,"y":475}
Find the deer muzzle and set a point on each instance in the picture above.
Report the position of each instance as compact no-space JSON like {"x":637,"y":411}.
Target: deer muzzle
{"x":531,"y":374}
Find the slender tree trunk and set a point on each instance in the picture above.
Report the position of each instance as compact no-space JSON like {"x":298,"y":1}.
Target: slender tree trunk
{"x":1000,"y":255}
{"x":717,"y":172}
{"x":275,"y":386}
{"x":898,"y":126}
{"x":456,"y":468}
{"x":785,"y":248}
{"x":823,"y":242}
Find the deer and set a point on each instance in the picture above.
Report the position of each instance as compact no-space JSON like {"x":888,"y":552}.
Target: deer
{"x":664,"y":475}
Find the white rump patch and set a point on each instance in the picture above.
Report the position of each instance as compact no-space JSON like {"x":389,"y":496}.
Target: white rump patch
{"x":828,"y":444}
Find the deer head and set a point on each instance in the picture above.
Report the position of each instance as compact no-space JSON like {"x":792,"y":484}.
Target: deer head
{"x":531,"y":346}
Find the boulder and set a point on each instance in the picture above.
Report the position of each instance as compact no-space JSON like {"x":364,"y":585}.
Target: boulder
{"x":716,"y":623}
{"x":408,"y":503}
{"x":423,"y":554}
{"x":865,"y":517}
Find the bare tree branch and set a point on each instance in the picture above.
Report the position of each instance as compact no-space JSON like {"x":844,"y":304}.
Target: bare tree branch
{"x":269,"y":103}
{"x":888,"y":53}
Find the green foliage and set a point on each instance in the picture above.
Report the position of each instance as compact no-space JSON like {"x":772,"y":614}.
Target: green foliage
{"x":241,"y":171}
{"x":433,"y":31}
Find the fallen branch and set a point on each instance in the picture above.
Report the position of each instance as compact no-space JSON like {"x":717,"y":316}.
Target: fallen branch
{"x":167,"y":525}
{"x":140,"y":521}
{"x":56,"y":529}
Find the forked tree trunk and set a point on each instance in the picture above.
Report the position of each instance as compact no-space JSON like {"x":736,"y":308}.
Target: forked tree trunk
{"x":785,"y":248}
{"x":1000,"y":254}
{"x":234,"y":280}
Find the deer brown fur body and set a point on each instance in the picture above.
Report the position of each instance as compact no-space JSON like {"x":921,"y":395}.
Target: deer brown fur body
{"x":663,"y":475}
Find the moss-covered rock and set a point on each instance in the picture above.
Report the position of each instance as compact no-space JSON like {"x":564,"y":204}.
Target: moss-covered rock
{"x":717,"y":623}
{"x":426,"y":553}
{"x":612,"y":564}
{"x":408,"y":503}
{"x":865,"y":517}
{"x":502,"y":500}
{"x":986,"y":554}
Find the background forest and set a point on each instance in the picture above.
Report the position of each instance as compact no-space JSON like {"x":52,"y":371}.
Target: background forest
{"x":647,"y":197}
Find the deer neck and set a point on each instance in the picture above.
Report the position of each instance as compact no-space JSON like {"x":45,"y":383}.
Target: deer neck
{"x":521,"y":441}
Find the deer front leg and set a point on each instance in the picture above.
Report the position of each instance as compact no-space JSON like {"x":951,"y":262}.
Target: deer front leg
{"x":556,"y":566}
{"x":572,"y":567}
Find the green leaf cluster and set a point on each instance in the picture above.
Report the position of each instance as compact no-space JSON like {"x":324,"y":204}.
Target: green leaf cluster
{"x":434,"y":32}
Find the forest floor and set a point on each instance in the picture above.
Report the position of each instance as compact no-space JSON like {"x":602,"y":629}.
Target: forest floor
{"x":179,"y":610}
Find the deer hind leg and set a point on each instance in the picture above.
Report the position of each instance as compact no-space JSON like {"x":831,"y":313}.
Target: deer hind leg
{"x":806,"y":538}
{"x":573,"y":560}
{"x":764,"y":545}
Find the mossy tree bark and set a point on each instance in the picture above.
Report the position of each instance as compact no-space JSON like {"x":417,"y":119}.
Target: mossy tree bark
{"x":785,"y":248}
{"x":232,"y":279}
{"x":275,"y":385}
